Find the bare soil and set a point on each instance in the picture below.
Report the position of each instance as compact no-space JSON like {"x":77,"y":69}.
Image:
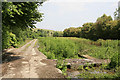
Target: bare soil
{"x":28,"y":62}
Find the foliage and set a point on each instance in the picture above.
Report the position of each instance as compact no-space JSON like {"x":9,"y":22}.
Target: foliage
{"x":71,"y":32}
{"x":103,"y":28}
{"x":71,"y":47}
{"x":36,"y":32}
{"x":17,"y":18}
{"x":13,"y":40}
{"x":80,"y":67}
{"x":114,"y":61}
{"x":62,"y":66}
{"x":58,"y":34}
{"x":118,"y":72}
{"x":104,"y":66}
{"x":20,"y":14}
{"x":5,"y":40}
{"x":50,"y":55}
{"x":61,"y":48}
{"x":98,"y":75}
{"x":117,"y":13}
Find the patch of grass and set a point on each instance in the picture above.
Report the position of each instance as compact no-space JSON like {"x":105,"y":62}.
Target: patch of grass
{"x":36,"y":43}
{"x":27,"y":46}
{"x":23,"y":43}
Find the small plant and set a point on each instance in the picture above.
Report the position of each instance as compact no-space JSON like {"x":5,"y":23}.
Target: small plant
{"x":118,"y":72}
{"x":87,"y":68}
{"x":114,"y":61}
{"x":80,"y":67}
{"x":104,"y":66}
{"x":50,"y":55}
{"x":62,"y":66}
{"x":96,"y":76}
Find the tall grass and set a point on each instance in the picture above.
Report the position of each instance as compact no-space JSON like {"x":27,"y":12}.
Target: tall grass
{"x":58,"y":47}
{"x":61,"y":47}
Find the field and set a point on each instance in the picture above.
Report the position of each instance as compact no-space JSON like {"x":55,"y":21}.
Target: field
{"x":70,"y":48}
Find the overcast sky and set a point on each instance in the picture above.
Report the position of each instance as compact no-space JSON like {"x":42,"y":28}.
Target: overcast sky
{"x":61,"y":14}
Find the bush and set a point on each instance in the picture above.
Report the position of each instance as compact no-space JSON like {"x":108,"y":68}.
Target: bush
{"x":50,"y":55}
{"x":62,"y":66}
{"x":114,"y":61}
{"x":118,"y":72}
{"x":5,"y":40}
{"x":80,"y":67}
{"x":13,"y":40}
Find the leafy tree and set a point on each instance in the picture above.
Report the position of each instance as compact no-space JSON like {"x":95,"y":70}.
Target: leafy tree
{"x":117,"y":14}
{"x":100,"y":26}
{"x":86,"y":30}
{"x":16,"y":18}
{"x":71,"y":32}
{"x":57,"y":34}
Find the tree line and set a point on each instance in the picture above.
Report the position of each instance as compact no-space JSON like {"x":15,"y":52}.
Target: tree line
{"x":104,"y":28}
{"x":35,"y":33}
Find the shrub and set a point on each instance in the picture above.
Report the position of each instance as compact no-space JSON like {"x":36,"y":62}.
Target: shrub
{"x":114,"y":61}
{"x":13,"y":40}
{"x":80,"y":67}
{"x":50,"y":55}
{"x":62,"y":66}
{"x":118,"y":72}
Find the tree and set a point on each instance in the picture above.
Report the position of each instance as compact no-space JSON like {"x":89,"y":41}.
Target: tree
{"x":100,"y":26}
{"x":117,"y":14}
{"x":71,"y":32}
{"x":57,"y":34}
{"x":17,"y":17}
{"x":104,"y":28}
{"x":86,"y":30}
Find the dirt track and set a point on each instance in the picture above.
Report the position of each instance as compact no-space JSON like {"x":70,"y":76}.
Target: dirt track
{"x":28,"y":62}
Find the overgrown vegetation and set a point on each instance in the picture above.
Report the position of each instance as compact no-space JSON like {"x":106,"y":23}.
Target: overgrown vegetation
{"x":90,"y":71}
{"x":62,"y":48}
{"x":62,"y":66}
{"x":55,"y":47}
{"x":71,"y":47}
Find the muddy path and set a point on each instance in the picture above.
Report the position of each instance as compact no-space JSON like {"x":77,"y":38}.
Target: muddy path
{"x":29,"y":63}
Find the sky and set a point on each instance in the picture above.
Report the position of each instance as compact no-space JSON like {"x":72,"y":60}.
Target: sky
{"x":62,"y":14}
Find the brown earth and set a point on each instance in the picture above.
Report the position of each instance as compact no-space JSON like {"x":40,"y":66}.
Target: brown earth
{"x":28,"y":62}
